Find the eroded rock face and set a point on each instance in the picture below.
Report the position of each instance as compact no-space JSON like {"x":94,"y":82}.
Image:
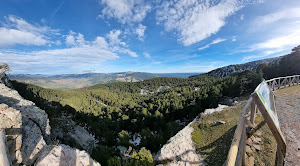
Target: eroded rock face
{"x":28,"y":133}
{"x":11,"y":121}
{"x":68,"y":131}
{"x":4,"y":79}
{"x":33,"y":141}
{"x":64,"y":155}
{"x":180,"y":149}
{"x":28,"y":109}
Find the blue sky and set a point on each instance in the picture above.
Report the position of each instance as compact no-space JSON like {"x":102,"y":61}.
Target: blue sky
{"x":76,"y":36}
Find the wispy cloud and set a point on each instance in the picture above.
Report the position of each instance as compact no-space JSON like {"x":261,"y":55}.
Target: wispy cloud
{"x":284,"y":32}
{"x":283,"y":41}
{"x":147,"y":55}
{"x":264,"y":54}
{"x":274,"y":46}
{"x":18,"y":31}
{"x":233,"y":38}
{"x":80,"y":55}
{"x":140,"y":31}
{"x":276,"y":17}
{"x":197,"y":20}
{"x":216,"y":41}
{"x":242,"y":17}
{"x":125,"y":11}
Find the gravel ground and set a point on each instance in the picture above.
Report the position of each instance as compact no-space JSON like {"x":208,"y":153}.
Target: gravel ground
{"x":288,"y":110}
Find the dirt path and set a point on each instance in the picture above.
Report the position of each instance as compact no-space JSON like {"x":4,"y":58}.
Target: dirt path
{"x":288,"y":110}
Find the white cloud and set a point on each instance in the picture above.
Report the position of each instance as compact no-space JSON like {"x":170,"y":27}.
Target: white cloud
{"x":80,"y":56}
{"x":265,"y":54}
{"x":216,"y":41}
{"x":125,"y":11}
{"x":283,"y":41}
{"x":276,"y":17}
{"x":75,"y":40}
{"x":140,"y":31}
{"x":242,"y":17}
{"x":18,"y":31}
{"x":129,"y":52}
{"x":233,"y":38}
{"x":147,"y":55}
{"x":281,"y":44}
{"x":280,"y":31}
{"x":113,"y":37}
{"x":195,"y":20}
{"x":67,"y":60}
{"x":11,"y":37}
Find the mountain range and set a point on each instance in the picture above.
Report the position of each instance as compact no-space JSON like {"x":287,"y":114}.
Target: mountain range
{"x":74,"y":81}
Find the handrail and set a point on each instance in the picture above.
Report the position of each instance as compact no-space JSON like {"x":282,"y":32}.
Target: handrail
{"x":237,"y":149}
{"x":282,"y":82}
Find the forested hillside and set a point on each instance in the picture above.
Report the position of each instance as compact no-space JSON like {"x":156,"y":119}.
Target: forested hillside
{"x":152,"y":110}
{"x":75,"y":81}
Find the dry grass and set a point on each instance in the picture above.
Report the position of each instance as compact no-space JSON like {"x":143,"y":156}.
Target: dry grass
{"x":293,"y":90}
{"x":213,"y":142}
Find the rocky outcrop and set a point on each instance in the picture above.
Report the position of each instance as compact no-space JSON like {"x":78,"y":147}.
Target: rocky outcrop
{"x":28,"y":134}
{"x":29,"y":110}
{"x":180,"y":150}
{"x":67,"y":131}
{"x":64,"y":155}
{"x":212,"y":110}
{"x":4,"y":79}
{"x":11,"y":121}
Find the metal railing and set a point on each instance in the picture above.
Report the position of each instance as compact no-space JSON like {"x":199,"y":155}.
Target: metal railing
{"x":236,"y":154}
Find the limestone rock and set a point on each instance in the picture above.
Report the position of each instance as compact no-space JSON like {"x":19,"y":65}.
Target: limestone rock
{"x":68,"y":131}
{"x":4,"y":79}
{"x":64,"y":155}
{"x":257,"y":147}
{"x":219,"y":122}
{"x":28,"y":132}
{"x":249,"y":142}
{"x":13,"y":99}
{"x":251,"y":161}
{"x":11,"y":121}
{"x":180,"y":149}
{"x":248,"y":150}
{"x":33,"y":141}
{"x":212,"y":110}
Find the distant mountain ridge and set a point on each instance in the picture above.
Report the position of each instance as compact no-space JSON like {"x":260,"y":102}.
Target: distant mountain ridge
{"x":231,"y":69}
{"x":70,"y":81}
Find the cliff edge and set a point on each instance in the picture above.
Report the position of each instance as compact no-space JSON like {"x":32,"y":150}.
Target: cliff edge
{"x":28,"y":133}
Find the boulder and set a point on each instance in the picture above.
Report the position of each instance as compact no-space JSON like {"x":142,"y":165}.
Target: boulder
{"x":64,"y":155}
{"x":212,"y":110}
{"x":33,"y":141}
{"x":68,"y":132}
{"x":219,"y":122}
{"x":180,"y":149}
